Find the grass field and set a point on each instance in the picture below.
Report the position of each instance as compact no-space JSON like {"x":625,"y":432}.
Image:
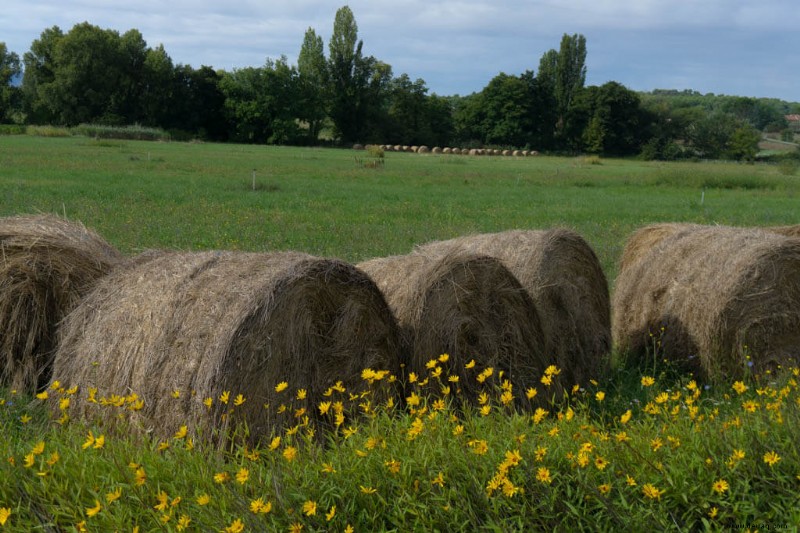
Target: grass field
{"x":142,"y":195}
{"x":647,"y":449}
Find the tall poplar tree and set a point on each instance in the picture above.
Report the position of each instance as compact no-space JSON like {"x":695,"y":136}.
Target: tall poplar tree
{"x":312,"y":83}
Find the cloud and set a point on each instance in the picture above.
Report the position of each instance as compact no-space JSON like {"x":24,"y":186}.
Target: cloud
{"x":457,"y":46}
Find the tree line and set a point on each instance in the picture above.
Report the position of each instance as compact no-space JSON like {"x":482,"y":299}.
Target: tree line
{"x":95,"y":75}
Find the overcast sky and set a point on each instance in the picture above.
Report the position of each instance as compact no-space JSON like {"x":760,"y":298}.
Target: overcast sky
{"x":735,"y":47}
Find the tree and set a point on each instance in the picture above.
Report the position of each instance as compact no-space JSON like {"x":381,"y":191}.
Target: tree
{"x":39,"y":74}
{"x":507,"y":114}
{"x":570,"y":74}
{"x":356,"y":80}
{"x":9,"y":70}
{"x":710,"y":136}
{"x":743,"y":144}
{"x":312,"y":80}
{"x":408,"y":123}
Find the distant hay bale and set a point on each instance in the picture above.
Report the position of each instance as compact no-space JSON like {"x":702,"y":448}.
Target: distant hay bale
{"x":406,"y":148}
{"x":415,"y":149}
{"x":711,"y":297}
{"x":209,"y":322}
{"x":436,"y":150}
{"x":517,"y":153}
{"x":47,"y":264}
{"x":642,"y":241}
{"x":447,"y":150}
{"x":398,"y":148}
{"x":526,"y":153}
{"x":474,"y":151}
{"x":534,"y":152}
{"x":506,"y":153}
{"x":468,"y":306}
{"x":358,"y":146}
{"x":563,"y":276}
{"x":456,"y":151}
{"x":789,"y":231}
{"x":423,"y":149}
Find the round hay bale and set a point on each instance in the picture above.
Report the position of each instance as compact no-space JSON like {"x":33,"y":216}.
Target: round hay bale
{"x":526,"y":153}
{"x":436,"y":150}
{"x":644,"y":239}
{"x":534,"y":152}
{"x":563,"y":276}
{"x":456,"y":151}
{"x":468,"y":306}
{"x":398,"y":148}
{"x":414,"y":149}
{"x":47,"y":264}
{"x":210,"y":322}
{"x":516,"y":153}
{"x":358,"y":146}
{"x":406,"y":148}
{"x":474,"y":152}
{"x":506,"y":153}
{"x":423,"y":149}
{"x":447,"y":150}
{"x":711,"y":297}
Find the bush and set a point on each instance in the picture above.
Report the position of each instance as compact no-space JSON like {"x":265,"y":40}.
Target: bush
{"x":48,"y":131}
{"x":12,"y":129}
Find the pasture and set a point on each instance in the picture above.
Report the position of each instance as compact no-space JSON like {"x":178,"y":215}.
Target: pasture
{"x":644,"y":447}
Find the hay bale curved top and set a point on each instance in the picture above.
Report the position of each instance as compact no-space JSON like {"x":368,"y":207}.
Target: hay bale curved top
{"x":564,"y":278}
{"x":789,"y":231}
{"x":641,"y":241}
{"x":468,"y":306}
{"x":205,"y":323}
{"x":47,"y":264}
{"x":720,"y":294}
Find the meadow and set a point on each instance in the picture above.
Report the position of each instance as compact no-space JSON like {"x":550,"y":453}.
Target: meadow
{"x":645,"y":448}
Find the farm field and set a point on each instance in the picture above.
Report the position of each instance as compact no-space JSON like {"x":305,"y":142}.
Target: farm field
{"x":645,"y":448}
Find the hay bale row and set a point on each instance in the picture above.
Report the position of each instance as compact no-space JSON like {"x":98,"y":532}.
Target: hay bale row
{"x":47,"y":264}
{"x":564,"y":279}
{"x":222,"y":321}
{"x":709,"y":298}
{"x":458,"y":151}
{"x":466,"y":305}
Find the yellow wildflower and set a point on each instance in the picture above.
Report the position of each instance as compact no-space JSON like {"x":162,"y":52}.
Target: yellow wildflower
{"x":720,"y":486}
{"x":91,"y":511}
{"x":531,"y":393}
{"x":225,"y":396}
{"x":543,"y":475}
{"x":471,"y":364}
{"x":438,"y":480}
{"x":393,"y":466}
{"x":626,"y":416}
{"x":648,"y":381}
{"x":181,"y":433}
{"x":239,"y":400}
{"x":771,"y":458}
{"x":237,"y":526}
{"x":290,"y":453}
{"x":139,"y":476}
{"x":367,"y":490}
{"x":330,"y":514}
{"x":114,"y":495}
{"x":183,"y":522}
{"x":221,"y":477}
{"x":5,"y":513}
{"x":600,"y":396}
{"x":242,"y":476}
{"x":203,"y":499}
{"x":739,"y":387}
{"x":539,"y":415}
{"x":163,"y":501}
{"x":328,"y":468}
{"x":651,"y":492}
{"x":42,"y":395}
{"x":605,"y":488}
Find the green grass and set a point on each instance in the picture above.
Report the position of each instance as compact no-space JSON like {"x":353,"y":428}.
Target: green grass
{"x":427,"y":466}
{"x":199,"y":196}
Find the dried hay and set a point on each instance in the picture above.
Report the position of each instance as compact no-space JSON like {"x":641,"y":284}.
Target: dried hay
{"x":456,"y":151}
{"x":47,"y":264}
{"x":423,"y":149}
{"x":563,"y":276}
{"x":447,"y":150}
{"x":436,"y":150}
{"x":506,"y":153}
{"x":358,"y":146}
{"x":710,"y":297}
{"x":644,"y":239}
{"x":205,"y":323}
{"x":789,"y":231}
{"x":468,"y":306}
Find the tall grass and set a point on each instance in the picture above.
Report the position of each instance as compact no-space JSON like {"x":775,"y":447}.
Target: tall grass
{"x":665,"y":454}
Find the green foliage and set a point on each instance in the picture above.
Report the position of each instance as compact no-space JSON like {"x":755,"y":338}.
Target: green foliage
{"x":313,"y":86}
